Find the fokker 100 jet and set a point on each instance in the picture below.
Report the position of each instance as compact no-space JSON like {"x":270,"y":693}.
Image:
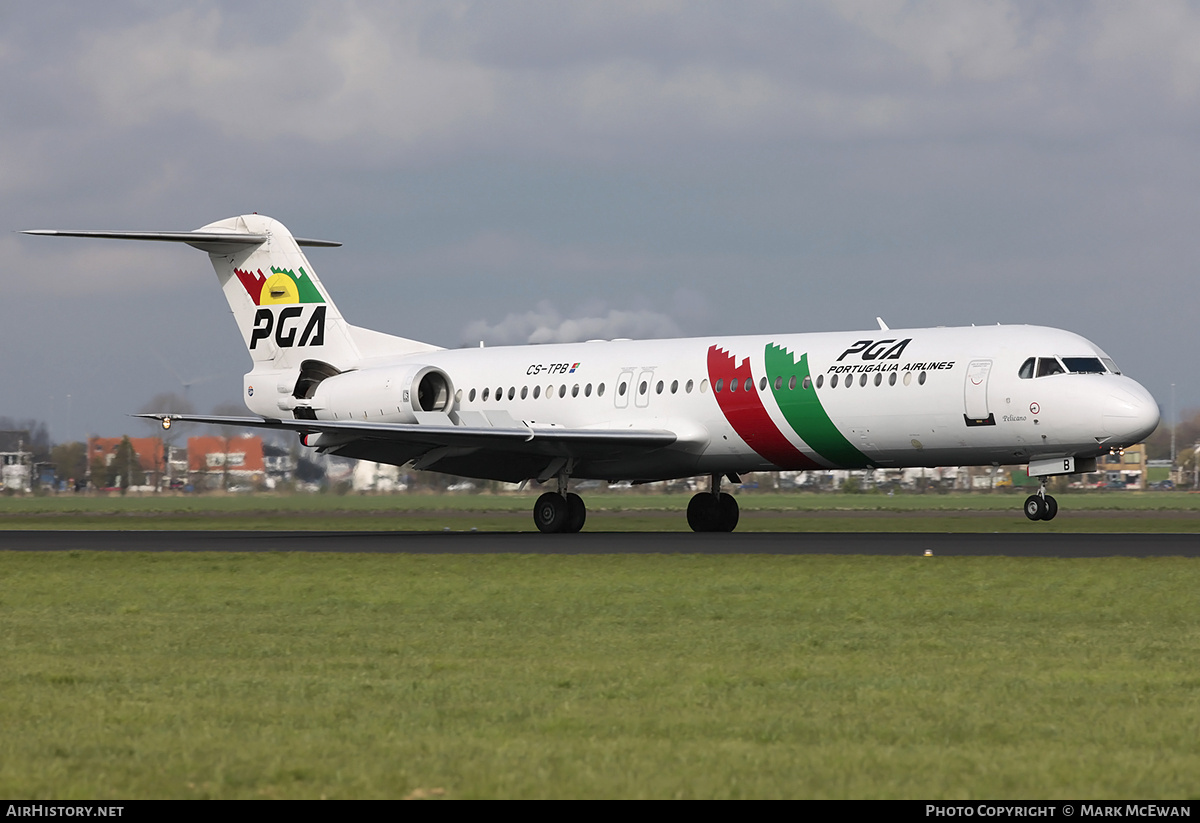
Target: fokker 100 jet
{"x":653,"y":410}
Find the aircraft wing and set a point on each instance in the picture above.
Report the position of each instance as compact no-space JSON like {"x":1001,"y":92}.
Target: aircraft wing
{"x":417,"y":439}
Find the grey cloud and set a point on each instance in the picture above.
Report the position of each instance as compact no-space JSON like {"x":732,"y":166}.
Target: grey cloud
{"x":546,"y":324}
{"x":736,"y":166}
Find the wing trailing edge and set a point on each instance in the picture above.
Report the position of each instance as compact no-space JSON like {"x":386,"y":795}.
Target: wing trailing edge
{"x":545,"y":440}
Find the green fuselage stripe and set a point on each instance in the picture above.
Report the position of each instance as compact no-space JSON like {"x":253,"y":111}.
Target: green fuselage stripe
{"x":803,"y":410}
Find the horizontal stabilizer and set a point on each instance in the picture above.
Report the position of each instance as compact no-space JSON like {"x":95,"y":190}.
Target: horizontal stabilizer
{"x":212,"y":242}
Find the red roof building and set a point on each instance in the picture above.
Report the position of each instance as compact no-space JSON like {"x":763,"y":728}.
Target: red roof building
{"x":213,"y":460}
{"x":148,"y":450}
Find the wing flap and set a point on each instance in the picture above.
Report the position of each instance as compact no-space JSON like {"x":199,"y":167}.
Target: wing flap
{"x":550,"y":441}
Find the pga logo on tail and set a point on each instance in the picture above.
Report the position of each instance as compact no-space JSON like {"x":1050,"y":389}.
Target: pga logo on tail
{"x":285,"y":331}
{"x":284,"y":288}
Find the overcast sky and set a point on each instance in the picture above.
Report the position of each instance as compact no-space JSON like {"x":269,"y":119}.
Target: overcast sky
{"x":544,"y":171}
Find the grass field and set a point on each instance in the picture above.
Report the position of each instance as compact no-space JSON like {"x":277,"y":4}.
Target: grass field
{"x":289,"y":675}
{"x":1129,"y":512}
{"x":307,"y":675}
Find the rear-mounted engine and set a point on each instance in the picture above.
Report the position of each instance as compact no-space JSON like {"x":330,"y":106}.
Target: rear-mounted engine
{"x":397,"y":394}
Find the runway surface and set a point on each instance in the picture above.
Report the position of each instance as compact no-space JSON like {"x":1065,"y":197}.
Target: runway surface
{"x":943,"y":545}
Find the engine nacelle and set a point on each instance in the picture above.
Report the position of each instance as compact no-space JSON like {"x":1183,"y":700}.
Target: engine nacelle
{"x":392,"y":395}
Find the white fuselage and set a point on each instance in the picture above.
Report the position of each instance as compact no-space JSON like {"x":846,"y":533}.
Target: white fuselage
{"x":657,"y":409}
{"x":878,"y":398}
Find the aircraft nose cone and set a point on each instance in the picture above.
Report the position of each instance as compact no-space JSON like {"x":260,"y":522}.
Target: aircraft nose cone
{"x":1130,"y":414}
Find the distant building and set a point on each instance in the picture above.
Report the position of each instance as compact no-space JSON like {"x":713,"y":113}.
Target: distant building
{"x":16,"y":461}
{"x":149,"y":454}
{"x":177,"y":468}
{"x":279,"y":463}
{"x":1125,"y":468}
{"x":216,"y":462}
{"x":376,"y":477}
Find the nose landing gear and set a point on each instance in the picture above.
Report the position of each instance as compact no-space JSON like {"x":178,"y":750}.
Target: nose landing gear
{"x":1041,"y":506}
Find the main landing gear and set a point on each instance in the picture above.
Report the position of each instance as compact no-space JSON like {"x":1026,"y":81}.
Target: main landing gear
{"x":714,"y":510}
{"x":1041,"y":506}
{"x":559,"y":512}
{"x":563,"y":512}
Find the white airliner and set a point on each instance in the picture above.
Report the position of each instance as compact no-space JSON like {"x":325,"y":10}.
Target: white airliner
{"x":658,"y":409}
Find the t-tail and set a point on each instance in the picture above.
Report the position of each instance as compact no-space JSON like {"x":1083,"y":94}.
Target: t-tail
{"x":283,"y":312}
{"x":281,"y":308}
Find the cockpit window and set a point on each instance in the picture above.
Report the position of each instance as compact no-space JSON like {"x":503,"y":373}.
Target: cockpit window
{"x":1048,"y":366}
{"x":1083,"y":365}
{"x":1045,"y":366}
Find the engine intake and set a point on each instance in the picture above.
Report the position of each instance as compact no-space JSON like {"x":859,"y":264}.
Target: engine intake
{"x":433,"y":392}
{"x":390,"y":395}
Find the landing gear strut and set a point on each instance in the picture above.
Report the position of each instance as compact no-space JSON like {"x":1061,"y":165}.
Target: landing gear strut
{"x":714,"y":510}
{"x":560,"y":511}
{"x":1041,"y":506}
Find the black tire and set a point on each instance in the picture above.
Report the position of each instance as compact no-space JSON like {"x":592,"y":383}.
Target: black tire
{"x":728,"y":507}
{"x":702,"y":512}
{"x":1051,"y":508}
{"x":576,"y":513}
{"x":550,"y":513}
{"x":1035,"y":507}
